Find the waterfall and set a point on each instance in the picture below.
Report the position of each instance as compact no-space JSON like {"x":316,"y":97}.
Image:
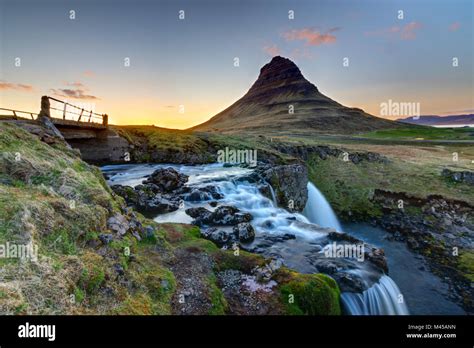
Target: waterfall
{"x":381,"y":298}
{"x":318,"y":210}
{"x":273,"y":195}
{"x":271,"y":221}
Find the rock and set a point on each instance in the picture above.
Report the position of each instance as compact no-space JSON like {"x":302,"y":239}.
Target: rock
{"x":203,"y":194}
{"x":289,"y":183}
{"x":341,"y":236}
{"x":463,"y":176}
{"x":156,"y":203}
{"x":223,"y":216}
{"x":106,"y":238}
{"x":127,"y":192}
{"x":245,"y":232}
{"x":118,"y":224}
{"x":149,"y":232}
{"x":349,"y":282}
{"x":167,"y":179}
{"x":220,"y":237}
{"x":119,"y":269}
{"x":377,"y":257}
{"x":228,"y":215}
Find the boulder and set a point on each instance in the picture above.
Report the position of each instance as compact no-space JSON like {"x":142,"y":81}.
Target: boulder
{"x":167,"y":179}
{"x":220,"y":237}
{"x":118,"y":224}
{"x":289,"y":183}
{"x":222,"y":216}
{"x":206,"y":193}
{"x":229,"y":216}
{"x":245,"y":232}
{"x":127,"y":192}
{"x":156,"y":203}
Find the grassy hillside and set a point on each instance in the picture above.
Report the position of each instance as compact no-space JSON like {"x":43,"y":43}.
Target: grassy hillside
{"x":422,"y":133}
{"x":349,"y":187}
{"x":155,"y":144}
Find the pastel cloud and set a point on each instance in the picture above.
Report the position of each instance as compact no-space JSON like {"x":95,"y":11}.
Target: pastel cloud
{"x":73,"y":93}
{"x":4,"y":86}
{"x":311,"y":36}
{"x":272,"y":50}
{"x":406,"y":32}
{"x":76,"y":84}
{"x":75,"y":90}
{"x":454,"y":26}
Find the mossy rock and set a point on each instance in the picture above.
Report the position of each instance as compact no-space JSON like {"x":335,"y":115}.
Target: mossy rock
{"x":309,"y":294}
{"x":243,"y":262}
{"x":466,"y":264}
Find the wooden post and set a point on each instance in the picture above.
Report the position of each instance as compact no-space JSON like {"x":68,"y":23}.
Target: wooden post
{"x":44,"y":107}
{"x":64,"y":111}
{"x":90,"y":116}
{"x":79,"y":119}
{"x":105,"y":119}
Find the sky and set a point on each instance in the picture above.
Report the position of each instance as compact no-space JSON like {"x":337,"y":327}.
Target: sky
{"x":182,"y":71}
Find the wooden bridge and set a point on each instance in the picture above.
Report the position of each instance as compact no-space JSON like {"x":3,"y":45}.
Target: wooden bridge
{"x":62,"y":114}
{"x":81,"y":127}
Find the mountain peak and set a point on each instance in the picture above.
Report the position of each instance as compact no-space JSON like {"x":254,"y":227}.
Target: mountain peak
{"x":280,"y":62}
{"x":279,"y":73}
{"x":281,"y":67}
{"x":281,"y":100}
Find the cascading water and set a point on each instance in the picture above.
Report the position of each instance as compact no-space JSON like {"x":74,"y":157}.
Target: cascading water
{"x":318,"y":210}
{"x":272,"y":191}
{"x":383,"y":297}
{"x":269,"y":222}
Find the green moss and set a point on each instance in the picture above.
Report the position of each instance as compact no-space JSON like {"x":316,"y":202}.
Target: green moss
{"x":60,"y":241}
{"x":187,"y":236}
{"x":310,"y":294}
{"x":21,"y":309}
{"x":466,"y":264}
{"x":137,"y":304}
{"x":92,"y":279}
{"x":218,"y":301}
{"x":244,"y":261}
{"x":78,"y":295}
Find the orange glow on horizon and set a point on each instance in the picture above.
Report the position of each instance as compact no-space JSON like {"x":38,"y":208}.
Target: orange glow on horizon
{"x":168,"y":115}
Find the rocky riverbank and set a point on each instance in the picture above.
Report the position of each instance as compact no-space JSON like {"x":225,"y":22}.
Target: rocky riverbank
{"x":442,"y":230}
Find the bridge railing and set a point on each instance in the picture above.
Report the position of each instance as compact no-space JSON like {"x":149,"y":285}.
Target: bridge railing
{"x":19,"y":113}
{"x":75,"y":113}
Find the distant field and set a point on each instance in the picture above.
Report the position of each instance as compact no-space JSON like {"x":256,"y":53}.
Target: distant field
{"x":422,"y":133}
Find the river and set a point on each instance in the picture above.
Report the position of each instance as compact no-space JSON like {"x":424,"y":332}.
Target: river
{"x":410,"y":288}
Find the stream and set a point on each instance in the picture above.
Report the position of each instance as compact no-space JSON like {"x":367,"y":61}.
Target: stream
{"x":298,"y":240}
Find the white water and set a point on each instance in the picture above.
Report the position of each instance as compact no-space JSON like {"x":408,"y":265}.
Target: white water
{"x":318,"y":210}
{"x":272,"y":191}
{"x":383,"y":297}
{"x":269,"y":219}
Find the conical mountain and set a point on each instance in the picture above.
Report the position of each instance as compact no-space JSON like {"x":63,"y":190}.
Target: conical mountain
{"x":283,"y":101}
